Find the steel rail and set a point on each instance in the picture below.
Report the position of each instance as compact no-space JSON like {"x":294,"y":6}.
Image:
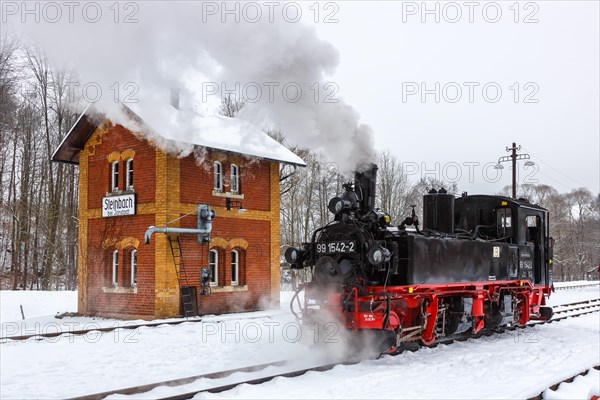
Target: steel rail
{"x":79,"y":332}
{"x":555,"y":386}
{"x":290,"y":374}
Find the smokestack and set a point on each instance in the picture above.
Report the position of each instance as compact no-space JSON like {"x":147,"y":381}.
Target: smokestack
{"x":175,"y":98}
{"x":365,"y":184}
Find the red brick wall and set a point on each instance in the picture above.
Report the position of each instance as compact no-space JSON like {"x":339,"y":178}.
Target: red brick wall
{"x":197,"y":180}
{"x":99,"y":265}
{"x":196,"y":186}
{"x":254,"y":264}
{"x":144,"y":167}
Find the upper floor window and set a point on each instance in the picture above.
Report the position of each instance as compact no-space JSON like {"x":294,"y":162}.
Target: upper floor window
{"x":115,"y":268}
{"x":235,"y":267}
{"x":134,"y":268}
{"x":235,"y":179}
{"x":114,"y":176}
{"x":504,"y":224}
{"x":218,"y":176}
{"x":213,"y":265}
{"x":129,"y":174}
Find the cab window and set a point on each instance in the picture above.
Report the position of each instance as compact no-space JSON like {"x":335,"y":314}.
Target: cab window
{"x":504,"y":222}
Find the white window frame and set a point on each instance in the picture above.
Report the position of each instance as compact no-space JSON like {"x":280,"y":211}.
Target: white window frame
{"x":134,"y":268}
{"x":129,"y":174}
{"x":217,"y":176}
{"x":114,"y":176}
{"x":235,"y":267}
{"x":234,"y":179}
{"x":115,"y":268}
{"x":214,"y":277}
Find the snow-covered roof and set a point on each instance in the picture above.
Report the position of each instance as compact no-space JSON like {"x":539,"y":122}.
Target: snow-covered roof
{"x":215,"y":131}
{"x":179,"y":132}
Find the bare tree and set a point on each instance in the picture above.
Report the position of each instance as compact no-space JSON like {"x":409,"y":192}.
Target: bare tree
{"x":393,"y":187}
{"x":230,"y":106}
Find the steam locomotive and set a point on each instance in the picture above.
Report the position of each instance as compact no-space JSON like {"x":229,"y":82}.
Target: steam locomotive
{"x":478,"y":262}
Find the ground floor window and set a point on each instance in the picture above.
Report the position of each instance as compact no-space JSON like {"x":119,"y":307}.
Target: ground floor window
{"x":235,"y":267}
{"x":134,"y":268}
{"x":213,"y":265}
{"x":115,"y":268}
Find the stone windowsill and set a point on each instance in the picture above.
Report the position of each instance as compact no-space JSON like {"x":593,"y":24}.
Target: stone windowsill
{"x":229,"y":289}
{"x":228,"y":194}
{"x":112,"y":289}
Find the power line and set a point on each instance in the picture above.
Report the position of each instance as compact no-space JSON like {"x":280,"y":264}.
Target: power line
{"x":554,"y":180}
{"x":551,"y":167}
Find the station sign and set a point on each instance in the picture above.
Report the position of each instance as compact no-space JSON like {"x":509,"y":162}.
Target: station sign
{"x":116,"y":206}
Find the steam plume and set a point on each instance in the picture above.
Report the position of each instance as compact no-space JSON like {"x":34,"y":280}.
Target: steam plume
{"x":176,"y":44}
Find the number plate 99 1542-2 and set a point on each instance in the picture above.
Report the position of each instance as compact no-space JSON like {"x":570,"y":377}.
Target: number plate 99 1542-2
{"x":336,"y":247}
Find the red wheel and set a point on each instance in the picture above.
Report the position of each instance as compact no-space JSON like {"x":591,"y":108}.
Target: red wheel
{"x":428,"y":342}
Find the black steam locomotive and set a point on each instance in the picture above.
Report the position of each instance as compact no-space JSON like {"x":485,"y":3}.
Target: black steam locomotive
{"x":477,"y":262}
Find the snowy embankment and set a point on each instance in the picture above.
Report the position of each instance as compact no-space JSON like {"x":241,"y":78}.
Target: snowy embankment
{"x":519,"y":364}
{"x":575,"y":283}
{"x":35,"y":304}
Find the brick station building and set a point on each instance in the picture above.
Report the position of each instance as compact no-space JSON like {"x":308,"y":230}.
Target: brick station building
{"x":132,"y":179}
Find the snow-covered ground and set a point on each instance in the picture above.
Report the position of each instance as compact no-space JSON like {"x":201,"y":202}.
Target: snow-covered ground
{"x":582,"y":387}
{"x":513,"y":365}
{"x":35,"y":304}
{"x":574,"y":283}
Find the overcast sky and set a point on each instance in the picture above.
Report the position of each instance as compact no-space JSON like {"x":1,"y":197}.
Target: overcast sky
{"x":446,"y":86}
{"x":381,"y":56}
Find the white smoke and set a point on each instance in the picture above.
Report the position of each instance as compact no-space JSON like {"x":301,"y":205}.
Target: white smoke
{"x":181,"y":44}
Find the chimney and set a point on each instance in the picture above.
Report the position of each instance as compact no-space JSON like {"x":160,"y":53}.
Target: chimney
{"x":175,"y":98}
{"x":365,"y":183}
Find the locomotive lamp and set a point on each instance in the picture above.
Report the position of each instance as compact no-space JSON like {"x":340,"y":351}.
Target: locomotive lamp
{"x":294,"y":256}
{"x":378,"y":255}
{"x":336,"y":205}
{"x":514,"y":157}
{"x":348,"y":201}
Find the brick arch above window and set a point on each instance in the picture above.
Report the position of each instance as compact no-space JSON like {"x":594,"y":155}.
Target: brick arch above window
{"x":218,"y":242}
{"x":238,"y":243}
{"x":110,"y":243}
{"x":127,"y":154}
{"x":129,"y":243}
{"x":114,"y":156}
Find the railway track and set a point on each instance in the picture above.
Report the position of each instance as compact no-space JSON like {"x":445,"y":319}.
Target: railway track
{"x":580,"y":305}
{"x":584,"y":285}
{"x":593,"y":306}
{"x":127,"y":326}
{"x":568,"y":380}
{"x":256,"y":377}
{"x":219,"y":386}
{"x":79,"y":332}
{"x":177,"y":382}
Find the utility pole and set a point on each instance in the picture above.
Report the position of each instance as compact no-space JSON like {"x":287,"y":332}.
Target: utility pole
{"x":513,"y":158}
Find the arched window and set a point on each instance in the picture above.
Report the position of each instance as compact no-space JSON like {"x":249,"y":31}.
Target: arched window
{"x":218,"y":176}
{"x":129,"y":174}
{"x":235,"y":267}
{"x":115,"y":268}
{"x":133,"y":268}
{"x":235,"y":179}
{"x":213,"y":265}
{"x":114,"y":176}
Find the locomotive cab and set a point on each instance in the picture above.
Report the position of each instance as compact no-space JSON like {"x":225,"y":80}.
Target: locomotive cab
{"x":521,"y":227}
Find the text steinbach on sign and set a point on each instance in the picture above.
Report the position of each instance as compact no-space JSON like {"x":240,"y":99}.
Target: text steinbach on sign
{"x":114,"y":206}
